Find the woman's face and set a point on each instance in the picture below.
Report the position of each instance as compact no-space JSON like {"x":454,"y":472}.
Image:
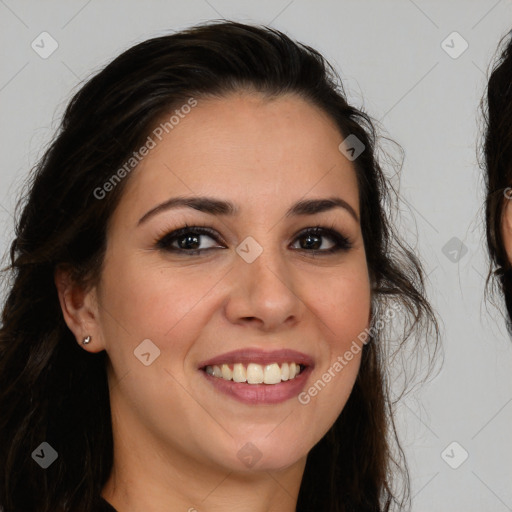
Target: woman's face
{"x":261,"y":291}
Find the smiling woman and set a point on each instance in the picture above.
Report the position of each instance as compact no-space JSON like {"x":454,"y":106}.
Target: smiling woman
{"x":209,"y":333}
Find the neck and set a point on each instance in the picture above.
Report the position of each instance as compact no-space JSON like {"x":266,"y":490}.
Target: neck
{"x":150,"y":475}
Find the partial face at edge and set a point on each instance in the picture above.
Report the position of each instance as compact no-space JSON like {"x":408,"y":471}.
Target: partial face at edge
{"x":506,"y":226}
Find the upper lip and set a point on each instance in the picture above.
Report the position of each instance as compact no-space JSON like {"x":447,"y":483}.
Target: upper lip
{"x":254,"y":355}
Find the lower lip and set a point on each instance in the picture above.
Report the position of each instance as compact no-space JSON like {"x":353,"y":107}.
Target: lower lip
{"x":260,"y":393}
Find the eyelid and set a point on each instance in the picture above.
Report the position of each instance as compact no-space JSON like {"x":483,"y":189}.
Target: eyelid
{"x":342,"y":242}
{"x":176,"y":232}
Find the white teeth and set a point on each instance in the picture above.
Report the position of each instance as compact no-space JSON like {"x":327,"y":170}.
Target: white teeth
{"x":239,"y":373}
{"x":226,"y":372}
{"x":255,"y":373}
{"x":272,"y":374}
{"x":285,"y":371}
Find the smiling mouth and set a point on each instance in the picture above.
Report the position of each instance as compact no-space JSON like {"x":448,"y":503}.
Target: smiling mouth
{"x":254,"y":373}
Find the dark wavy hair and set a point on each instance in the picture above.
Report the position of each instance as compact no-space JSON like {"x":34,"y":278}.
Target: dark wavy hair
{"x":52,"y":390}
{"x":497,"y":162}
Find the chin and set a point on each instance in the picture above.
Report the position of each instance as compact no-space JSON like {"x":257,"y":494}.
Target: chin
{"x":266,"y":453}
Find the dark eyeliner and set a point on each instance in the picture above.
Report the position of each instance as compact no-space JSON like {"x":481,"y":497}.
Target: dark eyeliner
{"x":163,"y":241}
{"x":341,"y":242}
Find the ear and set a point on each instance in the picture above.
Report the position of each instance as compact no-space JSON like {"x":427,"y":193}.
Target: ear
{"x":506,"y":227}
{"x":80,"y":310}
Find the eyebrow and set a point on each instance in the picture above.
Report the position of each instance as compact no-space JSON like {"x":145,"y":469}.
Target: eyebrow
{"x":215,"y":206}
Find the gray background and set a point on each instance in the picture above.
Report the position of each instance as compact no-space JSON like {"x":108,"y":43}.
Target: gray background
{"x":393,"y":61}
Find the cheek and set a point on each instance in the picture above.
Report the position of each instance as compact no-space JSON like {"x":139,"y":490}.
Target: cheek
{"x":343,"y":303}
{"x":343,"y":311}
{"x":155,"y":302}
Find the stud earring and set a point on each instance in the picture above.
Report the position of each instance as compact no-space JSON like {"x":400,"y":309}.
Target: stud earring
{"x":86,"y":341}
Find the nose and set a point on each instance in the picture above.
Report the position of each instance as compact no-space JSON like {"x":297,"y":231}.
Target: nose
{"x":264,"y":293}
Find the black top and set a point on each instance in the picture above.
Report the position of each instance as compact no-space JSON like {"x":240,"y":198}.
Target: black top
{"x":104,"y":506}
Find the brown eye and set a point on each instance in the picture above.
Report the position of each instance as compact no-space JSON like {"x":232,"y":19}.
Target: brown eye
{"x":313,"y":240}
{"x":187,"y":240}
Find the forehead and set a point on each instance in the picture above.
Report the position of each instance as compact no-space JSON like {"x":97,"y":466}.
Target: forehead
{"x":245,"y":147}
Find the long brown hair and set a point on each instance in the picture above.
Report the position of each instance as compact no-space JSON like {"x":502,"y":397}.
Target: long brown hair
{"x":51,"y":390}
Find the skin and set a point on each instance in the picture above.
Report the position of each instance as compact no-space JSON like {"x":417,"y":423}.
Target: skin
{"x":176,"y":437}
{"x":506,"y":228}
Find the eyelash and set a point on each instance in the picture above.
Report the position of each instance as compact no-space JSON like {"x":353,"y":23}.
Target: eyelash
{"x":341,"y":242}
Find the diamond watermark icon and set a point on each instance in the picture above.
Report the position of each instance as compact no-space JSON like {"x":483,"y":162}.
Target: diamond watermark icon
{"x":44,"y":45}
{"x":146,"y":352}
{"x":44,"y":455}
{"x":249,"y":454}
{"x":249,"y":249}
{"x":454,"y":45}
{"x":454,"y":455}
{"x":351,"y":147}
{"x":454,"y":249}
